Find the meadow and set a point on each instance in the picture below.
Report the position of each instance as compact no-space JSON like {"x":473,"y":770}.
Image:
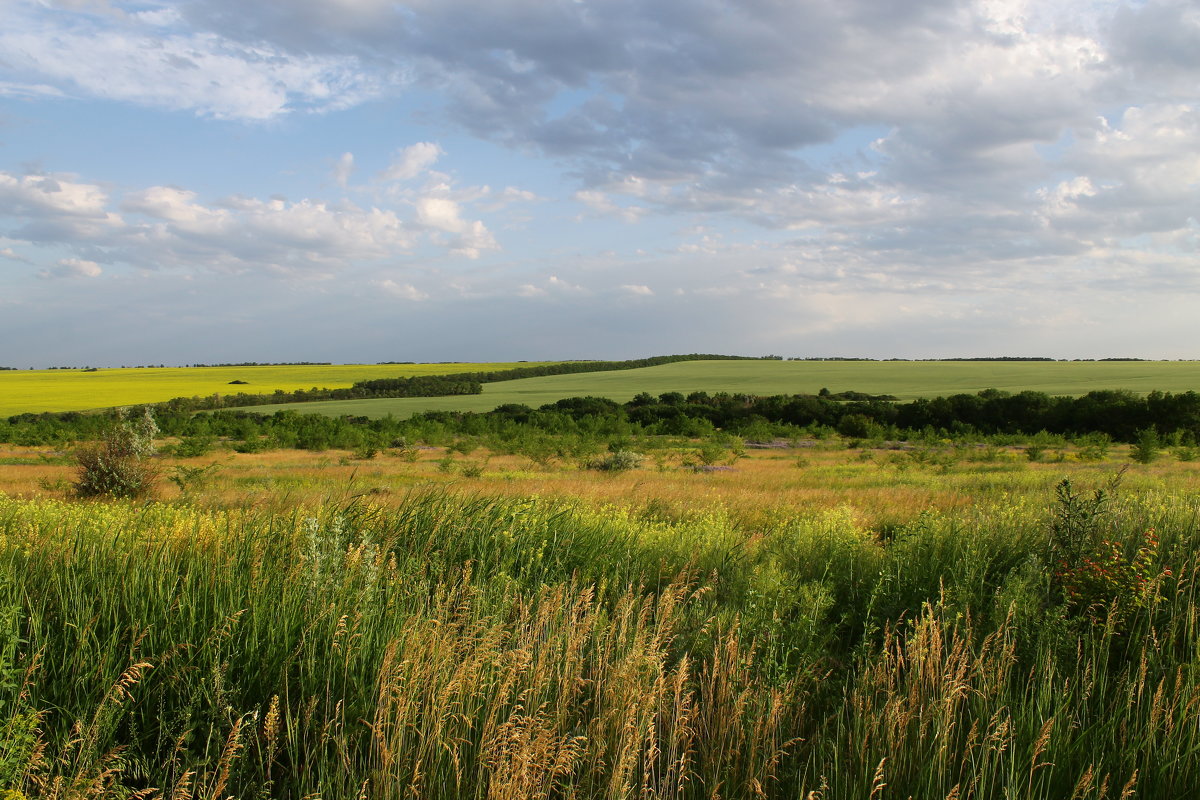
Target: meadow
{"x":905,"y":380}
{"x":37,"y":391}
{"x":820,"y":618}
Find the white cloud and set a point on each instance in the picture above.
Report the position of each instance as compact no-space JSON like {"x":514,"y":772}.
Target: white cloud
{"x":512,"y":194}
{"x":130,"y":58}
{"x":602,"y":204}
{"x":171,"y":227}
{"x":168,"y":203}
{"x":552,"y":286}
{"x":343,"y":169}
{"x":8,"y":89}
{"x":411,"y":162}
{"x":444,"y":214}
{"x":637,"y":289}
{"x":31,"y":194}
{"x":72,"y":268}
{"x":405,"y":291}
{"x":441,"y":213}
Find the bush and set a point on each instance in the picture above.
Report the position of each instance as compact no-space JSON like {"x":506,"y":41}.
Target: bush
{"x":191,"y":480}
{"x":1094,"y":446}
{"x":1145,"y":449}
{"x":193,"y":446}
{"x":617,"y":461}
{"x":118,"y":465}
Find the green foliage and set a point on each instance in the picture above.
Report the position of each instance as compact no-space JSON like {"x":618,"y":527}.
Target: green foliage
{"x":367,"y":449}
{"x":619,"y":460}
{"x":1146,"y":448}
{"x":1099,"y":577}
{"x":464,"y":646}
{"x":473,"y":469}
{"x":194,"y":446}
{"x":1093,"y":446}
{"x":1106,"y":584}
{"x":1077,"y":520}
{"x":119,"y":464}
{"x":711,"y":453}
{"x":192,"y":480}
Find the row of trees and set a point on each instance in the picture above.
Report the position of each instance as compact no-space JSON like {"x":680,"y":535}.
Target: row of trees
{"x":1122,"y":416}
{"x":424,"y":385}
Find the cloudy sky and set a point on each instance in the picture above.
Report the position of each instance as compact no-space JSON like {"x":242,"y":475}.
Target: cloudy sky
{"x":367,"y":180}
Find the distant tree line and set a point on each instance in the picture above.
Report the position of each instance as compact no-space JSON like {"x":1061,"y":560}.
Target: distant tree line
{"x":1120,"y":415}
{"x":564,"y":368}
{"x":424,"y":385}
{"x":419,"y":386}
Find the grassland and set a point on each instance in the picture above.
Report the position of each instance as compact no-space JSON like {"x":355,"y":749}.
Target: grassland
{"x":77,"y":390}
{"x":816,"y":622}
{"x":884,"y":486}
{"x":906,"y":380}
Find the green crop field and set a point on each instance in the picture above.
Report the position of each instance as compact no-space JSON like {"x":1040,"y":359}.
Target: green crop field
{"x":905,"y":379}
{"x":77,"y":390}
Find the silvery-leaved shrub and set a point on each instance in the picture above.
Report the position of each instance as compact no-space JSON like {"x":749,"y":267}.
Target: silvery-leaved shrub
{"x":119,"y":464}
{"x":617,"y":461}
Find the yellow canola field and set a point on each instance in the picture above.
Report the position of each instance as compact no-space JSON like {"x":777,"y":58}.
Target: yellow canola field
{"x":78,"y":390}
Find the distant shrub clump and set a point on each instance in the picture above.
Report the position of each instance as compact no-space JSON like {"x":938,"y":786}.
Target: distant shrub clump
{"x":118,"y":464}
{"x":617,"y":461}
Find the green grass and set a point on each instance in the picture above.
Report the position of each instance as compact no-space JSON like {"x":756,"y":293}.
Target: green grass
{"x":461,"y":646}
{"x":36,"y":391}
{"x":906,"y":380}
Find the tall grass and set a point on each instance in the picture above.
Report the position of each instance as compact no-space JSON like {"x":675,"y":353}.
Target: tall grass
{"x":466,"y":647}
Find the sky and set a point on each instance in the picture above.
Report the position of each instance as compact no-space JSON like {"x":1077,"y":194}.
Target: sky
{"x":432,"y":180}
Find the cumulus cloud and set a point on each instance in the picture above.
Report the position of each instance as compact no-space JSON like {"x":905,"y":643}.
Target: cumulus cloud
{"x":602,"y":204}
{"x":72,"y":268}
{"x":552,"y":286}
{"x":34,"y":194}
{"x":411,"y":162}
{"x":441,"y":213}
{"x":171,"y":227}
{"x":405,"y":291}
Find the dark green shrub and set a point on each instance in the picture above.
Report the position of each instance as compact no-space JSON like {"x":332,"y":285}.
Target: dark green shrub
{"x":193,"y":479}
{"x":1094,"y":446}
{"x":617,"y":461}
{"x":1145,"y":449}
{"x":193,"y":446}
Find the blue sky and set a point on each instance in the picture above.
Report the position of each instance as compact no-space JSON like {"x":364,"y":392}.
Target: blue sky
{"x":367,"y":180}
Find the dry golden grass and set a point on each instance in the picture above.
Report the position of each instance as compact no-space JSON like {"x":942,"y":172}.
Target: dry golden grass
{"x":883,"y":486}
{"x":473,"y":647}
